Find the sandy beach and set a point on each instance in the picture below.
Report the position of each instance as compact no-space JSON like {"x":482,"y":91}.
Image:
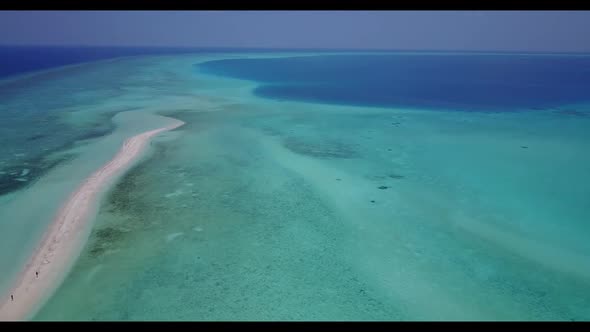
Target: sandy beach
{"x":61,"y":243}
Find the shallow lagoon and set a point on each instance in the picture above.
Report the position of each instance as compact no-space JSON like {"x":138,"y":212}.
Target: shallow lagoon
{"x":259,"y":209}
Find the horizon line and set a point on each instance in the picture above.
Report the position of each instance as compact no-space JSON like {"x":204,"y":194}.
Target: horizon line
{"x":250,"y":48}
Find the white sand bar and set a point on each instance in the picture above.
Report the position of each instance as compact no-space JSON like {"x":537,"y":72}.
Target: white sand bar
{"x":64,"y":238}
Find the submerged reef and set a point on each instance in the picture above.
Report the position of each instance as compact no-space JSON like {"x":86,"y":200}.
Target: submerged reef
{"x":23,"y":172}
{"x":122,"y":200}
{"x":16,"y":177}
{"x":396,"y":176}
{"x":324,"y":150}
{"x":572,"y":112}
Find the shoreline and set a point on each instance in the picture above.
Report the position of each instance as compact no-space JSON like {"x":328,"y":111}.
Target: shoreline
{"x":62,"y":241}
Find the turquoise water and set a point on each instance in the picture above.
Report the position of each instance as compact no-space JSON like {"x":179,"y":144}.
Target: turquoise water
{"x":260,"y":209}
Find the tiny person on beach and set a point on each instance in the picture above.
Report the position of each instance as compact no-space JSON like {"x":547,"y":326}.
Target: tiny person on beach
{"x":11,"y":297}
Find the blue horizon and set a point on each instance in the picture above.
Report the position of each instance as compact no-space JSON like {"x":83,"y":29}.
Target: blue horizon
{"x":229,"y":48}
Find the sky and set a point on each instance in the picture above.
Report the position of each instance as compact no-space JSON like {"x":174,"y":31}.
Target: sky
{"x":528,"y":31}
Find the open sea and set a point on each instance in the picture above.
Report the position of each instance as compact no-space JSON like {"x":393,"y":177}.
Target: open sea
{"x":305,"y":185}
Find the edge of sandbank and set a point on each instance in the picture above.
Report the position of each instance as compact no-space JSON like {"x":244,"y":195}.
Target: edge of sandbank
{"x":64,"y":238}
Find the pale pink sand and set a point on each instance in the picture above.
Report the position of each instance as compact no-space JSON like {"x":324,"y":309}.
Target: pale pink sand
{"x":63,"y":240}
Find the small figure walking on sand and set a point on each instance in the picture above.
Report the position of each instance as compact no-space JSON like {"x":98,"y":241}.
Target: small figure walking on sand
{"x":11,"y":297}
{"x":37,"y":274}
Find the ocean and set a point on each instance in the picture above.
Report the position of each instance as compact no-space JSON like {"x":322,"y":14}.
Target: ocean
{"x":459,"y":82}
{"x":310,"y":185}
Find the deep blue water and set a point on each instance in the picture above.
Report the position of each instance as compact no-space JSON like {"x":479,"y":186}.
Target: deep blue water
{"x":16,"y":60}
{"x":467,"y":82}
{"x":21,"y":59}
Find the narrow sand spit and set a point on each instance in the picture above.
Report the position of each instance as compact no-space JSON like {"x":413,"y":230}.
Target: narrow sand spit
{"x":63,"y":240}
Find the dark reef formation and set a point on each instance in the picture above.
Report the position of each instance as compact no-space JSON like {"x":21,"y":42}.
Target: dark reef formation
{"x":395,"y":176}
{"x":12,"y":177}
{"x":123,"y":200}
{"x":571,"y":112}
{"x":323,"y":150}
